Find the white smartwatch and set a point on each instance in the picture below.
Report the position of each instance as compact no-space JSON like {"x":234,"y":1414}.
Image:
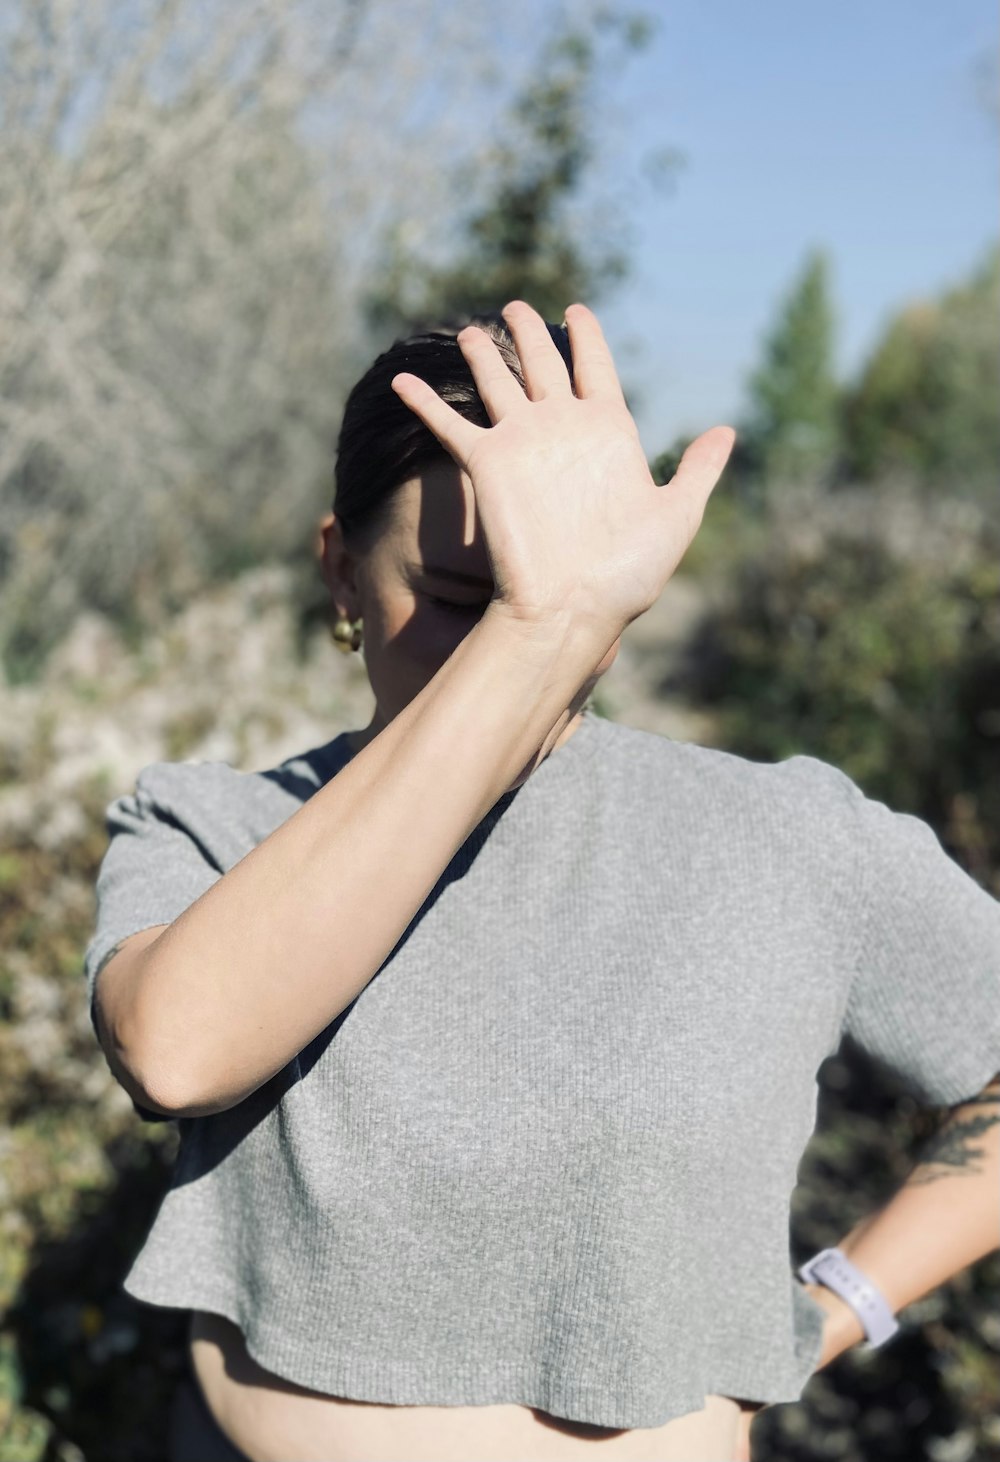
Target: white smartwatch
{"x":832,"y":1268}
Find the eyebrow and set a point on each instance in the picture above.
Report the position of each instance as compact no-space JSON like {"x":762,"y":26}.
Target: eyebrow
{"x":457,"y":577}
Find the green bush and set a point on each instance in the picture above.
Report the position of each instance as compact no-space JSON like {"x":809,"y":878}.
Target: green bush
{"x":924,"y":404}
{"x":865,"y":629}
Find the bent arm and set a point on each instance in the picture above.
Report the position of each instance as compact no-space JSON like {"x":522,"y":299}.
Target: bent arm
{"x":945,"y":1217}
{"x":266,"y":958}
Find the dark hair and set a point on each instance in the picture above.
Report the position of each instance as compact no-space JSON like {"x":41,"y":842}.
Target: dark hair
{"x":382,"y":442}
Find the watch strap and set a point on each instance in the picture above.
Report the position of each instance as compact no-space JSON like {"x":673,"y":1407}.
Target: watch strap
{"x":832,"y":1268}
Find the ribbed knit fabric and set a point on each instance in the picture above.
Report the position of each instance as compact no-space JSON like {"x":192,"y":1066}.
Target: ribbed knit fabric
{"x":546,"y":1155}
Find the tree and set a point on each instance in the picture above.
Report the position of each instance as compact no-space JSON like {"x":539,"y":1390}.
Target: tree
{"x":925,"y":404}
{"x":520,"y":238}
{"x":793,"y":396}
{"x":193,"y":194}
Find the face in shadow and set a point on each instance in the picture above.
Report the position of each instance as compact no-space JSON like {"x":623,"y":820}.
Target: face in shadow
{"x":420,"y":582}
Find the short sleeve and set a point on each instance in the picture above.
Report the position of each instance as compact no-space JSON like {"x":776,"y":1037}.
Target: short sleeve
{"x":925,"y":993}
{"x":153,"y":869}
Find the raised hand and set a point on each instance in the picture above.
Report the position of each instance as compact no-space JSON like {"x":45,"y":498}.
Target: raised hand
{"x":575,"y":526}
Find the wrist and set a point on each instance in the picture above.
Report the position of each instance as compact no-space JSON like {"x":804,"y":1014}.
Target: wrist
{"x":841,"y":1327}
{"x":558,"y":659}
{"x":552,"y":633}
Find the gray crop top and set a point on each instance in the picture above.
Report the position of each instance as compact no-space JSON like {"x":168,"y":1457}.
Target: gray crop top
{"x":546,"y":1155}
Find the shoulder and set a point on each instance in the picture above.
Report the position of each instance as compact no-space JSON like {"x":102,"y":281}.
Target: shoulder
{"x":799,"y":786}
{"x":165,"y":783}
{"x":223,"y":808}
{"x":169,"y":783}
{"x":181,"y":792}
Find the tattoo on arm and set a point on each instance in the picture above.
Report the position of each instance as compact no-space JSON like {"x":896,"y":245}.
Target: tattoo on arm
{"x":958,"y":1142}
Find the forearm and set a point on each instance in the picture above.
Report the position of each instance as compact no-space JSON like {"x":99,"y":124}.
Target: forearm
{"x":944,"y":1218}
{"x":242,"y":980}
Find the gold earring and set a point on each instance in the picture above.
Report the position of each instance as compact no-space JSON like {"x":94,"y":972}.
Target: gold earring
{"x":346,"y":636}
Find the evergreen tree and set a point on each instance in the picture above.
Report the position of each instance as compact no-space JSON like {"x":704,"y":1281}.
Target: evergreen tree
{"x":793,"y":425}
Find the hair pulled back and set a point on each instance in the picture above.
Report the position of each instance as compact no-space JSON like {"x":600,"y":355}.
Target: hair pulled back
{"x":382,"y":443}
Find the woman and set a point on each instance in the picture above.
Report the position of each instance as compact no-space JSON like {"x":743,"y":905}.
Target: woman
{"x":491,"y":1029}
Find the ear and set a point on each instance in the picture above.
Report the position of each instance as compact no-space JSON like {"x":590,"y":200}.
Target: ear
{"x":337,"y":566}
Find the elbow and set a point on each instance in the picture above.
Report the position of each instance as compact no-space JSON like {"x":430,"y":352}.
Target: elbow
{"x":169,"y":1092}
{"x":125,"y":1027}
{"x":157,"y":1088}
{"x":154,"y":1066}
{"x":136,"y":1075}
{"x":131,"y":1077}
{"x":160,"y":1087}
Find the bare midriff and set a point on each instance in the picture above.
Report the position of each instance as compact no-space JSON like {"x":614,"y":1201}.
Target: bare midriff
{"x":271,"y":1419}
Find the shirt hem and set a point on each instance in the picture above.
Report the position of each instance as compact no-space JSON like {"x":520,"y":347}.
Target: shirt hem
{"x":494,"y":1381}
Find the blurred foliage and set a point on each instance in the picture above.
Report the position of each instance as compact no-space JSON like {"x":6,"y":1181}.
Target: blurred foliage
{"x":525,"y":240}
{"x":864,"y":629}
{"x":926,"y":402}
{"x":167,"y":484}
{"x":194,"y":201}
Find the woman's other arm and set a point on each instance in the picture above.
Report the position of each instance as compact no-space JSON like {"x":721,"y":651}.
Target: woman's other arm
{"x":944,"y":1217}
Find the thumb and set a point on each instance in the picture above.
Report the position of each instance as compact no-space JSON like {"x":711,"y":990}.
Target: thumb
{"x":701,"y":466}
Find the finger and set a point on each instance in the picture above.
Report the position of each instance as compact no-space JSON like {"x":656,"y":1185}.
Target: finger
{"x":495,"y":381}
{"x":594,"y":371}
{"x":455,"y":434}
{"x":701,"y":466}
{"x":542,"y":366}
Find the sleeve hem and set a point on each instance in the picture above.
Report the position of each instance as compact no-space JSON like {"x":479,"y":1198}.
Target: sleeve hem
{"x":954,"y":1091}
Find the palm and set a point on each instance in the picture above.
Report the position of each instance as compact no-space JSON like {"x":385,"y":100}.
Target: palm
{"x":587,"y":490}
{"x":572,"y":519}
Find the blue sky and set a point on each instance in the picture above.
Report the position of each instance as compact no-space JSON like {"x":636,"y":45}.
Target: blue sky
{"x":854,"y":126}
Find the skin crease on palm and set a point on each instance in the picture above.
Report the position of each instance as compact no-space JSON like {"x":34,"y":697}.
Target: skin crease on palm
{"x":414,"y":619}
